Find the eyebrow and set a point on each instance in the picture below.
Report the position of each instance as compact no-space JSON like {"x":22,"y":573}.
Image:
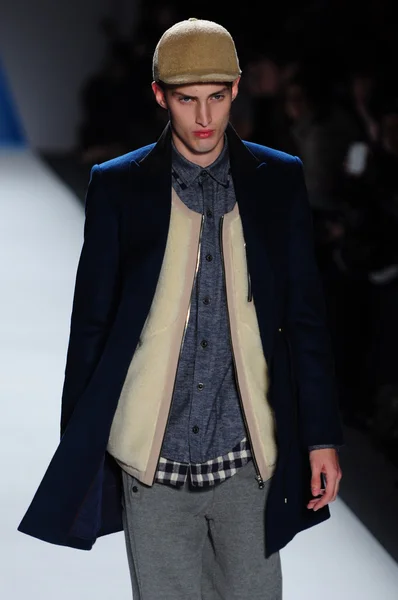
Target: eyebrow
{"x":182,"y":95}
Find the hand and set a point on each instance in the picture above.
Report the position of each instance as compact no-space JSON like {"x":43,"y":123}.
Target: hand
{"x":324,"y":460}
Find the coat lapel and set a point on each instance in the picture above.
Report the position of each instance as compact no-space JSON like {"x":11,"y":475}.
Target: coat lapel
{"x":254,"y":194}
{"x":151,"y":186}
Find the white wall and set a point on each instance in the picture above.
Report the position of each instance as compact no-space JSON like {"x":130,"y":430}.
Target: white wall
{"x":48,"y":48}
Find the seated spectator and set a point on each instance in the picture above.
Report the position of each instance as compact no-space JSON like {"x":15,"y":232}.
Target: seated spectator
{"x":322,"y":132}
{"x":371,"y":211}
{"x":367,"y":256}
{"x":362,"y":102}
{"x":107,"y":106}
{"x":261,"y":83}
{"x":117,"y":45}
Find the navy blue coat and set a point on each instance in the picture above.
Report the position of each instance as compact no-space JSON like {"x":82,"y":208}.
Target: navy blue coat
{"x":127,"y":216}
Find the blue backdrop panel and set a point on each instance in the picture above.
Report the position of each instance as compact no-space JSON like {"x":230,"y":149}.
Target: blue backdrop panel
{"x":11,"y":130}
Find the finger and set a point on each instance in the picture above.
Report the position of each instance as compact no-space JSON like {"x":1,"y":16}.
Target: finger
{"x":313,"y":501}
{"x":321,"y":503}
{"x":315,"y":481}
{"x":321,"y":493}
{"x":330,"y":486}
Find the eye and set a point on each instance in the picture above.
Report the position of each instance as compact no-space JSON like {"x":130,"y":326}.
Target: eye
{"x":185,"y":99}
{"x":218,"y":97}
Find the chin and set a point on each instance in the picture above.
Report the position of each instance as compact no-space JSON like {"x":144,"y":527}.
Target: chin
{"x":204,"y":148}
{"x":206,"y":145}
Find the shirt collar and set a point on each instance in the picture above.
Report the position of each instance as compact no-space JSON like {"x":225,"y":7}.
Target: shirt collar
{"x":188,"y":171}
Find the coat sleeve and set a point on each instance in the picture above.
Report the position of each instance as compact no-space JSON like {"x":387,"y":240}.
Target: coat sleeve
{"x":319,"y":416}
{"x":95,"y":294}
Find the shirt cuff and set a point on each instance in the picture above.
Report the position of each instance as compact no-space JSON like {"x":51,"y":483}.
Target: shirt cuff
{"x":319,"y":446}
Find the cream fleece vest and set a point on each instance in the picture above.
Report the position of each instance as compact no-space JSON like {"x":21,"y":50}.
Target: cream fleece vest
{"x":140,"y":419}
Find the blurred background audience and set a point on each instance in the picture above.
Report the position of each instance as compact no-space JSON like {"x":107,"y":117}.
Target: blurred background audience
{"x":312,"y":88}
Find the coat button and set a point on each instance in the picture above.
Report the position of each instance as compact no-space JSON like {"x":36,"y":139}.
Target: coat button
{"x":135,"y":489}
{"x":206,"y":300}
{"x":200,"y":386}
{"x":195,"y":429}
{"x":280,"y":329}
{"x":203,"y":343}
{"x":209,"y":258}
{"x":209,"y":213}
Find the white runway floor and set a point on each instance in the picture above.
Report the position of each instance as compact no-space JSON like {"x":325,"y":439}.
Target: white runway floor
{"x":41,"y":231}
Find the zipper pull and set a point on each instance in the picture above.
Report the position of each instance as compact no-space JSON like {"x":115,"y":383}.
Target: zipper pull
{"x":260,"y":482}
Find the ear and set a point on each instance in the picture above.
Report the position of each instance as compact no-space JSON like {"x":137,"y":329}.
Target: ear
{"x":235,"y":88}
{"x":159,"y":94}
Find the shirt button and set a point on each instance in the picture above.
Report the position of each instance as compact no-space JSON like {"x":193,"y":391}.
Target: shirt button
{"x":200,"y":386}
{"x":203,"y":343}
{"x":135,"y":489}
{"x":209,"y":213}
{"x":209,"y":258}
{"x":206,"y":300}
{"x":195,"y":429}
{"x":204,"y":173}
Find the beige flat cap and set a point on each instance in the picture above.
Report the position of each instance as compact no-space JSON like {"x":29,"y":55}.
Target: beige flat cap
{"x":194,"y":51}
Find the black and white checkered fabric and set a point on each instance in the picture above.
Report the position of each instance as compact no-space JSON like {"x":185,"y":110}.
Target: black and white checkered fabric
{"x":204,"y":474}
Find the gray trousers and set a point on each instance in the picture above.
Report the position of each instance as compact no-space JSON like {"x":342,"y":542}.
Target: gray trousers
{"x":208,"y":544}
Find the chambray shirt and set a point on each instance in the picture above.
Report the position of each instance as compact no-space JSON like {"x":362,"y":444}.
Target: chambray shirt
{"x":205,"y":418}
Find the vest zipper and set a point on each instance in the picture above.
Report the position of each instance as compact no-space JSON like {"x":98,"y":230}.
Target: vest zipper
{"x":249,"y":281}
{"x":258,"y":476}
{"x":182,"y":340}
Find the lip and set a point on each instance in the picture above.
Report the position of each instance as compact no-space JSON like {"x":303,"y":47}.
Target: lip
{"x":203,"y":133}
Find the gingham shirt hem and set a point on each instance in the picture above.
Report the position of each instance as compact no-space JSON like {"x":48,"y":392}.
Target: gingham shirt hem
{"x":206,"y":474}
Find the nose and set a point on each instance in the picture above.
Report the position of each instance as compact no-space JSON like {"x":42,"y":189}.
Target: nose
{"x":203,"y":114}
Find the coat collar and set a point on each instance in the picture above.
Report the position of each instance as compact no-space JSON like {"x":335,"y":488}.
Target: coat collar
{"x":155,"y":168}
{"x":160,"y":154}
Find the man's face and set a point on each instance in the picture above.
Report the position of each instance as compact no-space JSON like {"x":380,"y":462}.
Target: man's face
{"x":199,"y":114}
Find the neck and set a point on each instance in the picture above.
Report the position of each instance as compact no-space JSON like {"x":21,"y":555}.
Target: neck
{"x":198,"y":158}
